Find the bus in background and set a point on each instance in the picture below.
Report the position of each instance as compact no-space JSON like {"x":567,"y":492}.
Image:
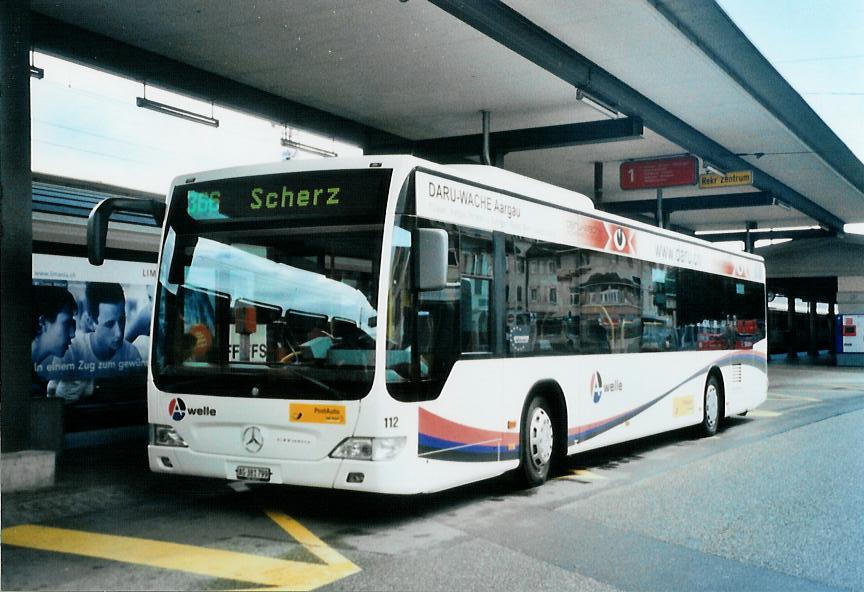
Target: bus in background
{"x":391,"y":325}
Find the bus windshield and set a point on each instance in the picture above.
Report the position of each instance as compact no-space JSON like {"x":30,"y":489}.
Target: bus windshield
{"x":270,"y":308}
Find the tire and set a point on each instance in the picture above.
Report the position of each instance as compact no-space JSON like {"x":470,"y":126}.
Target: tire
{"x":536,"y":443}
{"x":711,"y":407}
{"x":744,"y":414}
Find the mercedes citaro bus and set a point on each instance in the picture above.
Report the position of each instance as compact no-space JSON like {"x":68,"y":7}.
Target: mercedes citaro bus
{"x":387,"y":324}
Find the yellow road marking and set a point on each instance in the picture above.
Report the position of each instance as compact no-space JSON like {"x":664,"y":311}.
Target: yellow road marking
{"x":793,"y":398}
{"x":763,"y":413}
{"x":583,"y":475}
{"x":215,"y":563}
{"x":313,"y":544}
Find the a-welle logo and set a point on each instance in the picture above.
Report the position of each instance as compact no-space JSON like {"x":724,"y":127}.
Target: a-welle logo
{"x":177,"y":410}
{"x":599,"y":388}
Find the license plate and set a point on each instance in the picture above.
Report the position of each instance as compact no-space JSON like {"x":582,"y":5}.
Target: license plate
{"x":253,"y":473}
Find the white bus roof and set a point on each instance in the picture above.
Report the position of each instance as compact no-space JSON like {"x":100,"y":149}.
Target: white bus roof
{"x":493,"y":176}
{"x":490,"y":176}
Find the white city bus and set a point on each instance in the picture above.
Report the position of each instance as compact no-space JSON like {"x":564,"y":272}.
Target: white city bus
{"x":387,"y":324}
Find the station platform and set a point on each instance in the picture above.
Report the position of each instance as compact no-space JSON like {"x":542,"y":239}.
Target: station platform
{"x":91,"y":478}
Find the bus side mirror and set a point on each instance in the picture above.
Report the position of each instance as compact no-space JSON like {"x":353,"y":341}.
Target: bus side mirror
{"x":97,"y":222}
{"x":432,"y":259}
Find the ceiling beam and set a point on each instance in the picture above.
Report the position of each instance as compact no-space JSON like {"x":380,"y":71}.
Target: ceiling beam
{"x":756,"y":235}
{"x":709,"y":27}
{"x":695,"y":202}
{"x":538,"y":138}
{"x":512,"y":30}
{"x":650,"y":221}
{"x":104,"y":53}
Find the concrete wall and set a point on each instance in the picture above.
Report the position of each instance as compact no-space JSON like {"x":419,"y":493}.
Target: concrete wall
{"x":838,"y":257}
{"x":850,"y":294}
{"x":842,"y":258}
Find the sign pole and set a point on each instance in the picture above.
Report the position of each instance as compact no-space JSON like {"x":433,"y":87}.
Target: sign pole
{"x":598,"y":185}
{"x":748,"y":236}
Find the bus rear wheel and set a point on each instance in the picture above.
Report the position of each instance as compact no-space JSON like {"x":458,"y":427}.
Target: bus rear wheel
{"x":711,"y":408}
{"x":537,"y":443}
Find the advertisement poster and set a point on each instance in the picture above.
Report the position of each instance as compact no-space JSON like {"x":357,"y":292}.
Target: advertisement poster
{"x":851,"y":333}
{"x":90,"y":329}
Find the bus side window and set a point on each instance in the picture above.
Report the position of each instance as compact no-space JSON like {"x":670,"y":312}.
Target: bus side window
{"x":476,"y":293}
{"x":518,"y":325}
{"x":611,"y":303}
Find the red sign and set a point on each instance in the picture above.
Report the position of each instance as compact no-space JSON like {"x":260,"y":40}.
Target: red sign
{"x":664,"y":172}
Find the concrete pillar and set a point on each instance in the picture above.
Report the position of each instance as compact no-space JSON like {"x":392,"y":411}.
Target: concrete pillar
{"x":792,"y":333}
{"x":812,"y":329}
{"x":16,"y":219}
{"x":748,"y":237}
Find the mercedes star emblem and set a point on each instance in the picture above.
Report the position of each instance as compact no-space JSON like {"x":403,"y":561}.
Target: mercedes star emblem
{"x":252,"y":439}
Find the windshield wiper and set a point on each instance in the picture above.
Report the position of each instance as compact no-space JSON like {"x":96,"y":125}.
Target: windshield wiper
{"x":217,"y":384}
{"x":335,"y":393}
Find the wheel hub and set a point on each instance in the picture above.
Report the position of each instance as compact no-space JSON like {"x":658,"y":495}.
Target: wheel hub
{"x":711,"y":405}
{"x":540,"y":437}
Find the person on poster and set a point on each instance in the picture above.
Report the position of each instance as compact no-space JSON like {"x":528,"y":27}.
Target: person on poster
{"x":138,"y":313}
{"x":103,"y":351}
{"x":106,"y":307}
{"x":52,"y":325}
{"x":52,"y":322}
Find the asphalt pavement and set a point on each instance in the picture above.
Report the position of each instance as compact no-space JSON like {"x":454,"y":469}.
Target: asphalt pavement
{"x":773,"y":502}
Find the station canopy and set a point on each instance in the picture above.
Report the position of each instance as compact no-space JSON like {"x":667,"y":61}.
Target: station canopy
{"x":567,"y":83}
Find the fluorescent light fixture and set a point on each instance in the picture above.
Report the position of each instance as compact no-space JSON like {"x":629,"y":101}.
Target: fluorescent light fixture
{"x":289,"y":143}
{"x":854,"y":228}
{"x":724,"y":231}
{"x":35,"y":72}
{"x":767,"y":242}
{"x":782,"y":204}
{"x":784,"y":228}
{"x":755,"y":231}
{"x":597,"y":104}
{"x":711,"y":168}
{"x":177,"y":112}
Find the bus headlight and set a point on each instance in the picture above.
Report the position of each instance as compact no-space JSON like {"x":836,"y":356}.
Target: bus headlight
{"x":163,"y":435}
{"x":369,"y":448}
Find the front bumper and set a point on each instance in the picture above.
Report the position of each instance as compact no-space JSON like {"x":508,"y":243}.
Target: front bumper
{"x":399,"y":476}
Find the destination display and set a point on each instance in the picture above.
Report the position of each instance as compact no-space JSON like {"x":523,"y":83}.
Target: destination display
{"x":324,"y":195}
{"x":658,"y":173}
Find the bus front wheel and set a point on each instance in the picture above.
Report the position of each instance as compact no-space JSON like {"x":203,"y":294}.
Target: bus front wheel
{"x":711,"y":407}
{"x":537,"y":443}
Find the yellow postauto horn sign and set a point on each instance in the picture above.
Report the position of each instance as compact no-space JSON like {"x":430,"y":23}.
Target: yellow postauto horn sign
{"x":317,"y":413}
{"x":731,"y":179}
